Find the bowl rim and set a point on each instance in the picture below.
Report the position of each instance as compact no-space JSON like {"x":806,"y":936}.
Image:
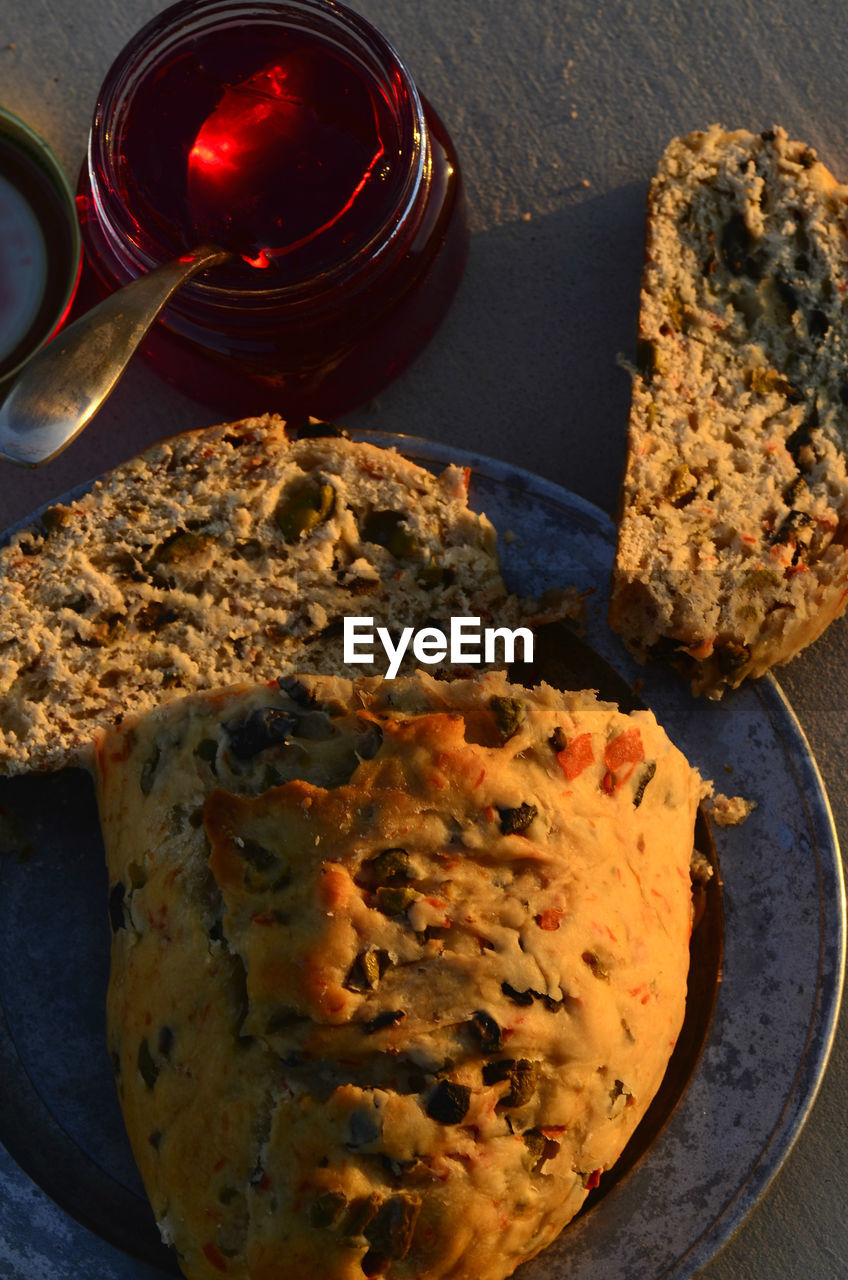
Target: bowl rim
{"x":25,"y":138}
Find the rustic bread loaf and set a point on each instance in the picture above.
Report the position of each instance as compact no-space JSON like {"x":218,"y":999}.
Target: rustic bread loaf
{"x":218,"y":556}
{"x":396,"y":966}
{"x":734,"y":511}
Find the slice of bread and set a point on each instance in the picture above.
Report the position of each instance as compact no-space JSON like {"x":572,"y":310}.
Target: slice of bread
{"x":225,"y":555}
{"x":397,"y":966}
{"x":734,"y":511}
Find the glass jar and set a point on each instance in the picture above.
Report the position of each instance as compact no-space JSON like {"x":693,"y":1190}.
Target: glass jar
{"x":345,"y":307}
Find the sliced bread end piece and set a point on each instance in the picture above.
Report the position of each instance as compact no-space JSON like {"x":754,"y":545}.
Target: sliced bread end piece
{"x":731,"y":554}
{"x":219,"y":556}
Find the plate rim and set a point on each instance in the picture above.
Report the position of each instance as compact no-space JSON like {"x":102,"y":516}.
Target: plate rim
{"x":812,"y":1064}
{"x":822,"y":1027}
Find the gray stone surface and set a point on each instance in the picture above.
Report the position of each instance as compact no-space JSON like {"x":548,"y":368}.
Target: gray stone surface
{"x":559,"y":109}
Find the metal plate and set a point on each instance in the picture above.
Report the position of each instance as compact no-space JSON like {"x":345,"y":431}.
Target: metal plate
{"x":718,"y":1148}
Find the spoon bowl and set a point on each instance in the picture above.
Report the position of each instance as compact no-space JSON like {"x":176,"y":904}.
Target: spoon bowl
{"x":61,"y":388}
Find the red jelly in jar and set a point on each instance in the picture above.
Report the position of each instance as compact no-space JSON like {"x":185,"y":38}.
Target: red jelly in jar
{"x":292,"y":134}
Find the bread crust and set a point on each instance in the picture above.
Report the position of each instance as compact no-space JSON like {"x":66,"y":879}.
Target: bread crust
{"x":394,"y":1013}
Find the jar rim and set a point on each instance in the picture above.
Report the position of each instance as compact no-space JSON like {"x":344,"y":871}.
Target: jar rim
{"x":172,"y":29}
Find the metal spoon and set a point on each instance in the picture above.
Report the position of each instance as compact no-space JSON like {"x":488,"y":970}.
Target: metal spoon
{"x":65,"y":383}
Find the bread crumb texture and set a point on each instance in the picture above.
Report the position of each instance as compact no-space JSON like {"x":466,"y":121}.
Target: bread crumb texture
{"x":731,"y":553}
{"x":396,"y":966}
{"x":225,"y":555}
{"x":729,"y":811}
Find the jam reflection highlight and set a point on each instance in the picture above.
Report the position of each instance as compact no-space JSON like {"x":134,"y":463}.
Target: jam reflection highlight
{"x":276,"y":164}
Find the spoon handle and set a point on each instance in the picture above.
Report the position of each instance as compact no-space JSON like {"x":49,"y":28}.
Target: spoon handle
{"x":66,"y":382}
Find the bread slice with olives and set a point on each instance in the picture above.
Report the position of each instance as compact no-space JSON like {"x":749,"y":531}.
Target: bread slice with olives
{"x":396,"y":966}
{"x":224,"y":555}
{"x":734,"y":511}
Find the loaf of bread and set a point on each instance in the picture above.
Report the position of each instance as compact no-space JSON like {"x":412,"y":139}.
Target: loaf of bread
{"x":396,"y":966}
{"x":734,"y":511}
{"x":225,"y":555}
